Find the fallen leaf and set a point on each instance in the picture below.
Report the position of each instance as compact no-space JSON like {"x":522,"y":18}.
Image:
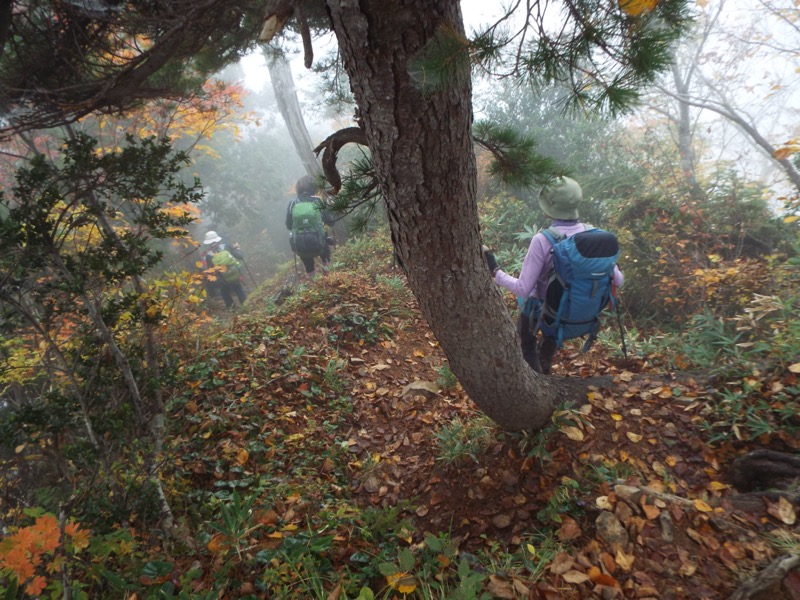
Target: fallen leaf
{"x":575,"y":577}
{"x":634,"y":437}
{"x":687,"y":569}
{"x":501,"y":588}
{"x":562,"y":562}
{"x":650,"y":511}
{"x":604,"y":503}
{"x":501,"y":521}
{"x":569,"y":530}
{"x":795,"y":368}
{"x":335,"y":593}
{"x":783,"y":510}
{"x":427,"y":386}
{"x":625,"y":561}
{"x":521,"y":588}
{"x":573,"y":433}
{"x":702,"y":505}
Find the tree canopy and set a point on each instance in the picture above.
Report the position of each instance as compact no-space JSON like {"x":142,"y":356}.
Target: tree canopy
{"x":60,"y":61}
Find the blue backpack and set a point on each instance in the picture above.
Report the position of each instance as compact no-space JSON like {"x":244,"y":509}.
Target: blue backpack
{"x":579,"y":286}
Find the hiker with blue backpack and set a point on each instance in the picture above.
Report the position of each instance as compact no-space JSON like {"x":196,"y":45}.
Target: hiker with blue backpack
{"x":568,"y":276}
{"x":306,"y":218}
{"x":226,"y":260}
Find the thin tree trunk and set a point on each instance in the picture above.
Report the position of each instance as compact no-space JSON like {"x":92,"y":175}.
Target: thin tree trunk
{"x":68,"y":372}
{"x":421,"y":145}
{"x":122,"y":362}
{"x":684,"y":125}
{"x":280,"y":74}
{"x":154,"y":418}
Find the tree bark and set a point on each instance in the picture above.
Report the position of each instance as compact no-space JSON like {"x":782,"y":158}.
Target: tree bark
{"x":422,"y":149}
{"x":763,"y":469}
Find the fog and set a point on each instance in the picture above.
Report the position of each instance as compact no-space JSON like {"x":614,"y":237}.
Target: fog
{"x":741,"y":58}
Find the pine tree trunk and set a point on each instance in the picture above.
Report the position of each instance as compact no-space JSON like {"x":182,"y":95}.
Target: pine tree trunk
{"x":422,"y":150}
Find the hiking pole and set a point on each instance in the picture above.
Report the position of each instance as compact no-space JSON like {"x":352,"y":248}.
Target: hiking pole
{"x":246,"y":268}
{"x":621,"y":331}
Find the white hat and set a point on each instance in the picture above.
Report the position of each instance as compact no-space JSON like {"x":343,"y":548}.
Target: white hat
{"x":211,"y":238}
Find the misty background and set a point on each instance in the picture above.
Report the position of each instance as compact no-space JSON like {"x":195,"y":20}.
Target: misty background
{"x":730,"y":103}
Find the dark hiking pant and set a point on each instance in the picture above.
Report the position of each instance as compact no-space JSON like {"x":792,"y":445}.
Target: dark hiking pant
{"x":228,"y":288}
{"x":539,"y":351}
{"x":325,"y":257}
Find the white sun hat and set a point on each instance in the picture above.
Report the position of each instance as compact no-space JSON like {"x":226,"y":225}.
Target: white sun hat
{"x":211,"y":238}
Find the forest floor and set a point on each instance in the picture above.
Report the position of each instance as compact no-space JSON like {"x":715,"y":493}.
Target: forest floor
{"x":637,"y":503}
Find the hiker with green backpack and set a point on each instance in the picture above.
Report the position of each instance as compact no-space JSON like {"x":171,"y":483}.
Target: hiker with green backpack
{"x":306,"y":218}
{"x":223,"y":264}
{"x":568,"y":277}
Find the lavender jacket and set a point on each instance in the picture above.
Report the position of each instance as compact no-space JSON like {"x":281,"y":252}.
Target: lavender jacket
{"x":532,"y":282}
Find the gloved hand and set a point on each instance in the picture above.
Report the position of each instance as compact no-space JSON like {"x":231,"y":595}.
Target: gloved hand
{"x":491,"y":262}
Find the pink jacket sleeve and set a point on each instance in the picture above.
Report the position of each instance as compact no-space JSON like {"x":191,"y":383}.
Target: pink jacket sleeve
{"x":532,"y":281}
{"x":532,"y":272}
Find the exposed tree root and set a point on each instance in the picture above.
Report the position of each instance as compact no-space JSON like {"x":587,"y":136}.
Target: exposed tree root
{"x":772,"y":575}
{"x":763,"y":469}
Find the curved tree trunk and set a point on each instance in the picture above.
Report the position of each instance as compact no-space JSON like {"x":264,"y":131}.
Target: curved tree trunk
{"x":422,"y":151}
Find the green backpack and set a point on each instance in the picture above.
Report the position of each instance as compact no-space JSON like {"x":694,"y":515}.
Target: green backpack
{"x":233,"y":270}
{"x":308,"y":234}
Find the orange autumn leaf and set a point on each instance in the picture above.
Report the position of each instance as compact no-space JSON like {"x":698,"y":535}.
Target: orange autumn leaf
{"x":600,"y":578}
{"x":36,"y":586}
{"x":218,"y":543}
{"x":24,"y":538}
{"x":18,"y":561}
{"x":46,"y":531}
{"x":783,"y":153}
{"x":80,"y":537}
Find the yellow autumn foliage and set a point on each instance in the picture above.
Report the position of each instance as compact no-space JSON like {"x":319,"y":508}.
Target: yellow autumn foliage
{"x":635,"y":8}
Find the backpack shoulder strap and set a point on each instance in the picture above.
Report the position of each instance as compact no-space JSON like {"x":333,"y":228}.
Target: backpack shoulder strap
{"x":553,"y":235}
